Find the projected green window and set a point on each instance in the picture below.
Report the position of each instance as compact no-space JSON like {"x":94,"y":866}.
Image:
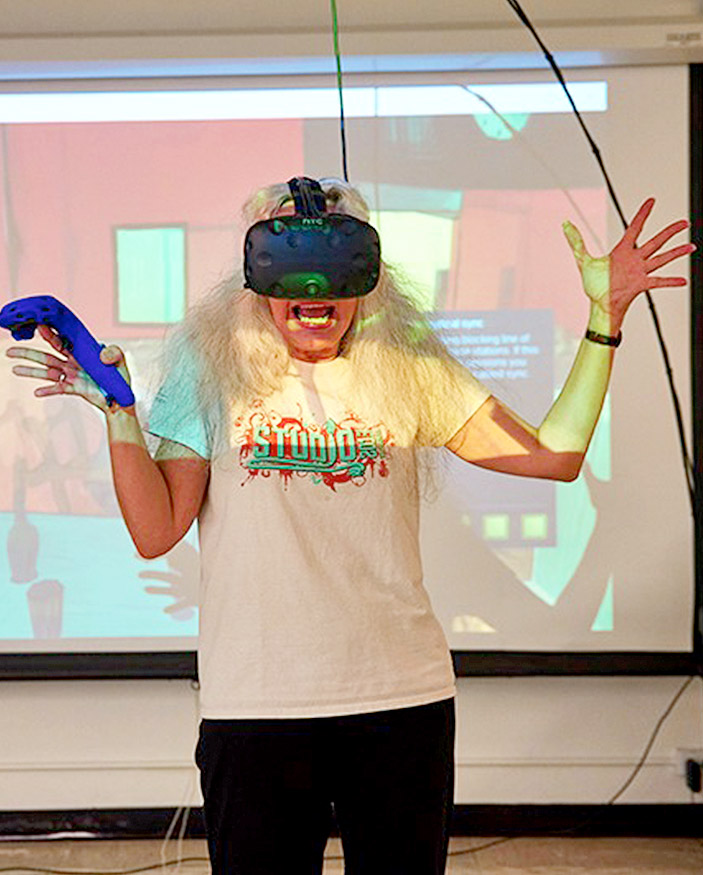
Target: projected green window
{"x":535,"y":526}
{"x":496,"y":526}
{"x":151,"y":274}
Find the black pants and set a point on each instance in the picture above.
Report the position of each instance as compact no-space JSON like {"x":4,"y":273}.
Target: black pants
{"x":270,"y":787}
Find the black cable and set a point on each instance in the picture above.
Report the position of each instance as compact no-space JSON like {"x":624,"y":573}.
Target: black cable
{"x":338,"y":59}
{"x":652,"y":739}
{"x":520,"y":12}
{"x":637,"y":769}
{"x":687,"y":463}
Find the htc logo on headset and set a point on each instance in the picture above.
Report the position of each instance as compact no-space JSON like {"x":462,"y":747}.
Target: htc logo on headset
{"x":296,"y":223}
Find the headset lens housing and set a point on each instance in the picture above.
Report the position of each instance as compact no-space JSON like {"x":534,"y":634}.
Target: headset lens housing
{"x":325,"y":256}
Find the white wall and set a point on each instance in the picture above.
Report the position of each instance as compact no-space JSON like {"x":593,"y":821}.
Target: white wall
{"x":72,"y":745}
{"x":122,"y":744}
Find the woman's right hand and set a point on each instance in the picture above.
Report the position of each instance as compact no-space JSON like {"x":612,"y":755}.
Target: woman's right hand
{"x":65,"y":375}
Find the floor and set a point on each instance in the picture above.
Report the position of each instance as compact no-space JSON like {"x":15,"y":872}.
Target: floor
{"x":529,"y":856}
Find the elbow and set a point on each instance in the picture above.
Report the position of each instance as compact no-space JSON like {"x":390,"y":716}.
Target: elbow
{"x":152,"y":540}
{"x":569,"y":467}
{"x":563,"y":467}
{"x":150,"y":551}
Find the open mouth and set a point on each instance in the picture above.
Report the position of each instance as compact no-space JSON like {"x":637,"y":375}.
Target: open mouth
{"x":319,"y":315}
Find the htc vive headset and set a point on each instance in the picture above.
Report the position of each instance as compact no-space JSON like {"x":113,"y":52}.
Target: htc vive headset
{"x":312,"y":254}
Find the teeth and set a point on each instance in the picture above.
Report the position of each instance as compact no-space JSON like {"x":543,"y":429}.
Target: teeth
{"x":313,"y":315}
{"x":313,"y":320}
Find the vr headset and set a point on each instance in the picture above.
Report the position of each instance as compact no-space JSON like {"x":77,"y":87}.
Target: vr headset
{"x":313,"y":254}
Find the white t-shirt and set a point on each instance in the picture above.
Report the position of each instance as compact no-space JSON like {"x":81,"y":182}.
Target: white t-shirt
{"x":311,"y":595}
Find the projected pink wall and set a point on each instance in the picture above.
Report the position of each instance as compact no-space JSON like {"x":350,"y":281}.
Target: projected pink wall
{"x":70,"y":185}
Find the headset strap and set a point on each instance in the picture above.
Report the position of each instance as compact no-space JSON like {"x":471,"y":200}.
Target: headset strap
{"x":308,"y":196}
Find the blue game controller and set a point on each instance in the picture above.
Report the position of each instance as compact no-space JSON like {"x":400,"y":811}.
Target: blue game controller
{"x":22,"y":316}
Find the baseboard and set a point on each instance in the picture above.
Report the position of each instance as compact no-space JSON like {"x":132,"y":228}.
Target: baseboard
{"x":657,"y":820}
{"x":469,"y":820}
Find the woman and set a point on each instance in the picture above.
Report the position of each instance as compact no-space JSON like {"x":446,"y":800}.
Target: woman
{"x":290,"y":430}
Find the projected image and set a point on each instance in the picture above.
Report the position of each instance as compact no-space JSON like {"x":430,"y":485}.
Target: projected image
{"x":517,"y":344}
{"x":516,"y":544}
{"x":129,"y":214}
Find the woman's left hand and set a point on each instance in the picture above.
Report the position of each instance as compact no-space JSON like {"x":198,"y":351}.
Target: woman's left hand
{"x":612,"y":282}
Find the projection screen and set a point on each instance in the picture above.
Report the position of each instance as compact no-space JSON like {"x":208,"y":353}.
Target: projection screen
{"x":124,"y":203}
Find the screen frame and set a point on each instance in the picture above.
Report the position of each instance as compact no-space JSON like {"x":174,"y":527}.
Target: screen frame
{"x":474,"y":663}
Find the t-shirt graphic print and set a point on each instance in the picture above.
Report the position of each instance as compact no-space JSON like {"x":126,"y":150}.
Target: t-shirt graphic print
{"x":331,"y":453}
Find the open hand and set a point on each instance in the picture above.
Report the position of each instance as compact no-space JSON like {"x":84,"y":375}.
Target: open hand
{"x":65,"y":375}
{"x":612,"y":282}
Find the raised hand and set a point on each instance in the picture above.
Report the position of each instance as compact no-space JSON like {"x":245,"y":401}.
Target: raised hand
{"x":612,"y":282}
{"x":65,"y":375}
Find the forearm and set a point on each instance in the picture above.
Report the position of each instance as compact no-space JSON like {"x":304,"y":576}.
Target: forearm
{"x":569,"y":425}
{"x":141,"y":489}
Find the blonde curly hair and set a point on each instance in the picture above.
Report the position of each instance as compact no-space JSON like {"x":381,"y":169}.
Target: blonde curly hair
{"x":239,"y":354}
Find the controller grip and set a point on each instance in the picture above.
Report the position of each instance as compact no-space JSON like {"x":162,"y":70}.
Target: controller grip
{"x":22,"y":316}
